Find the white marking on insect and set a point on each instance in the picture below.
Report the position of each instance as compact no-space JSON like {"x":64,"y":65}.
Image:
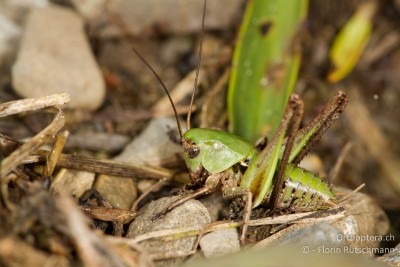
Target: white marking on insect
{"x":217,"y":146}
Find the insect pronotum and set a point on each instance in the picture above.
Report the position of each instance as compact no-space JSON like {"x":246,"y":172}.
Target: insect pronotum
{"x":217,"y":159}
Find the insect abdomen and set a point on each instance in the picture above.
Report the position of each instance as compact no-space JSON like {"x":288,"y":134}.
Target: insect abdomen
{"x":304,"y":191}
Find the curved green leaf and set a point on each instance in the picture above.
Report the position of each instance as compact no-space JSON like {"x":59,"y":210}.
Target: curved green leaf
{"x":350,"y":42}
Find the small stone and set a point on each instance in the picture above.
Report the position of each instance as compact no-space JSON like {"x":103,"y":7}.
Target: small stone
{"x":319,"y":234}
{"x":393,"y":257}
{"x":153,"y":146}
{"x":190,"y":214}
{"x":363,"y":218}
{"x":72,"y":182}
{"x":220,"y":243}
{"x":55,"y":57}
{"x":120,"y":192}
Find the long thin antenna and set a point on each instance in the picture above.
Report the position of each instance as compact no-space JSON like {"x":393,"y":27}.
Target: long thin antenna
{"x":198,"y":65}
{"x":163,"y":86}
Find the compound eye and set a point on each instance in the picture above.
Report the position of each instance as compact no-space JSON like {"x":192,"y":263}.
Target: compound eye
{"x":193,"y":151}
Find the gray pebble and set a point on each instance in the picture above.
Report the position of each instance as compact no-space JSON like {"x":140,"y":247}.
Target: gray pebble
{"x":220,"y":243}
{"x":55,"y":57}
{"x":189,"y":214}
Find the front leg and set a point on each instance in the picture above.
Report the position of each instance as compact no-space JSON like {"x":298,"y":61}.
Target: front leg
{"x":230,"y":189}
{"x":210,"y":185}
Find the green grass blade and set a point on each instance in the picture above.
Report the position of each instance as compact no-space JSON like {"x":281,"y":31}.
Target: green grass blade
{"x":265,"y":66}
